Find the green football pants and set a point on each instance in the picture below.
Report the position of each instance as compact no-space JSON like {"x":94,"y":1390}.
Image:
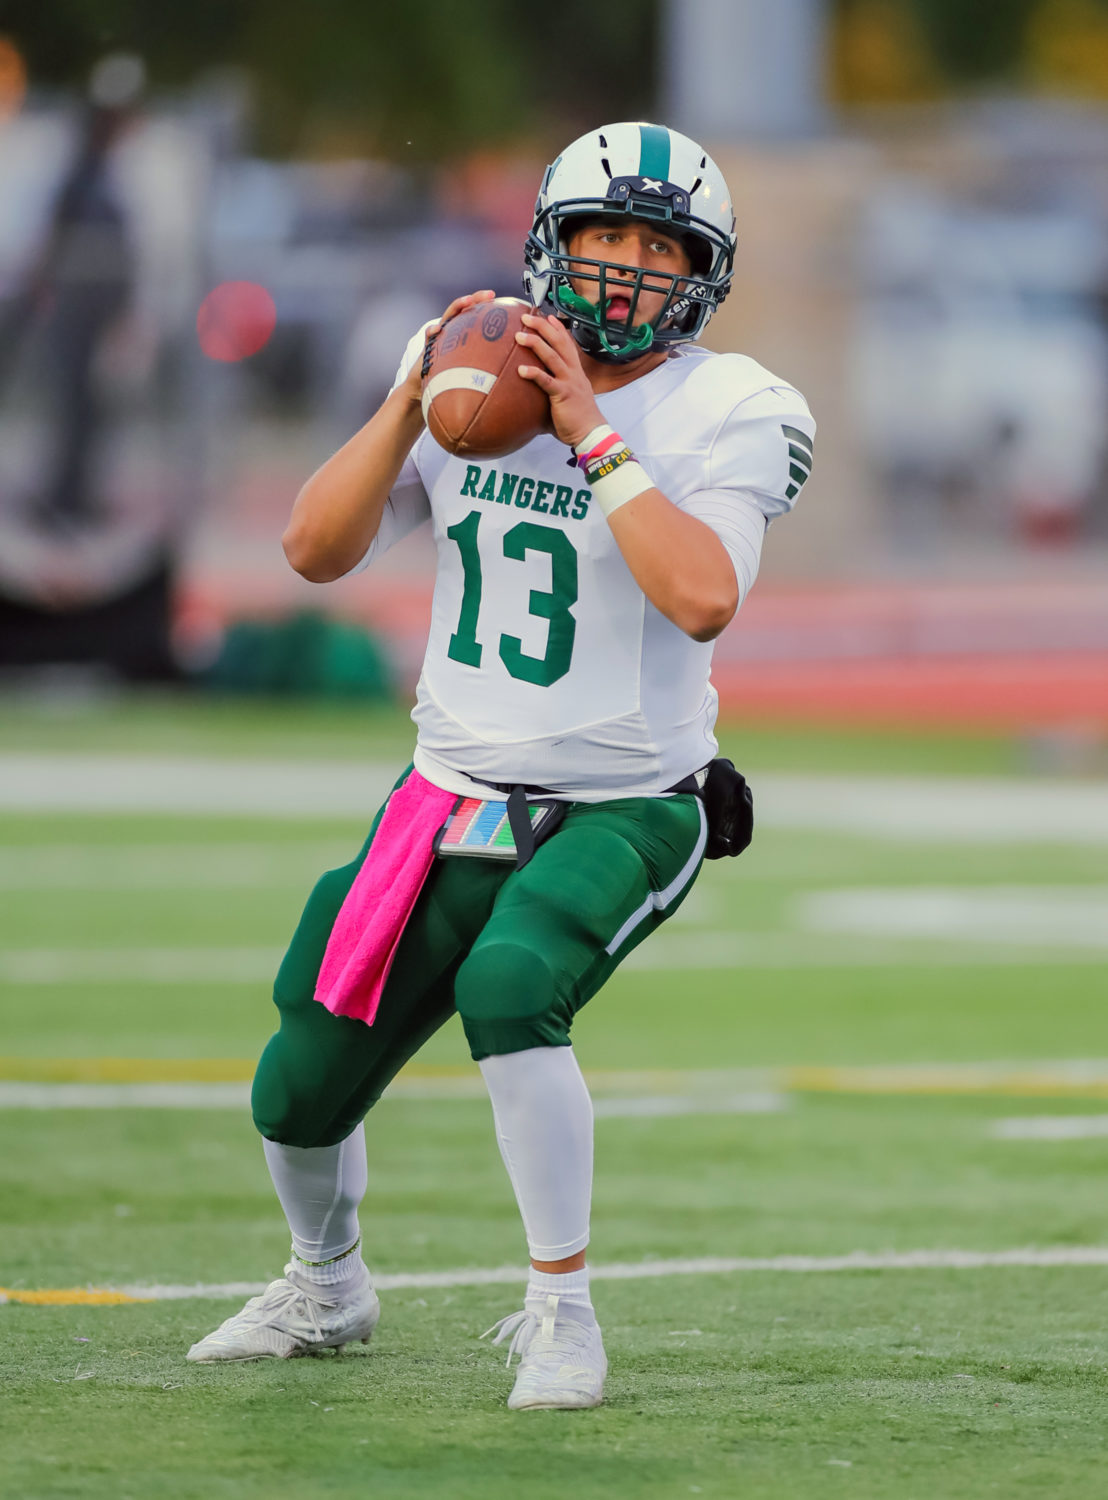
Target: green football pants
{"x":516,"y":953}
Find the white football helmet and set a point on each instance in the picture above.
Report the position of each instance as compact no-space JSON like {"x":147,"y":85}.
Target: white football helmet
{"x":637,"y":171}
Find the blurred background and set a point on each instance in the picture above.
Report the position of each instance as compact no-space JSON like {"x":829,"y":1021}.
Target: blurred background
{"x":220,"y":225}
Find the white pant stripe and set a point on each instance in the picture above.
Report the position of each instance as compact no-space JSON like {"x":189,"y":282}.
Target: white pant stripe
{"x":659,"y":900}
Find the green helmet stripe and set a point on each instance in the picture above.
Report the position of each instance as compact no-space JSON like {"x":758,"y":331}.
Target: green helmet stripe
{"x":654,"y":152}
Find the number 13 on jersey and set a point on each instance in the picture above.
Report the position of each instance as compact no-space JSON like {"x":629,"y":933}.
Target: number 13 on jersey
{"x":553,"y":605}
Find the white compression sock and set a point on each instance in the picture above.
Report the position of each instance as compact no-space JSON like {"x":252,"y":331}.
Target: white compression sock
{"x":543,"y":1117}
{"x":571,"y":1288}
{"x":320,"y":1188}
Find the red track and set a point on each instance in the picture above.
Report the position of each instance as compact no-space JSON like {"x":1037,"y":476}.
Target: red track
{"x":985,"y":656}
{"x":972,"y":692}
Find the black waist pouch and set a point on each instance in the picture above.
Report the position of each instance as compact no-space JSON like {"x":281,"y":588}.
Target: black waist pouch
{"x":729,"y":808}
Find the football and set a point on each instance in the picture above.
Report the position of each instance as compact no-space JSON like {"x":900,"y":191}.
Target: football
{"x":475,"y":403}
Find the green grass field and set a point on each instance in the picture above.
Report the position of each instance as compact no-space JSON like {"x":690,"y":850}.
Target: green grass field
{"x":138,"y":947}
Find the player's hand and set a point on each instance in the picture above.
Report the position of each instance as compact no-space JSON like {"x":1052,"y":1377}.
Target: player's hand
{"x":413,"y":385}
{"x":561,"y":375}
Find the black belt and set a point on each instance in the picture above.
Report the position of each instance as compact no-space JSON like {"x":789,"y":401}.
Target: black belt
{"x":691,"y":783}
{"x":519,"y":820}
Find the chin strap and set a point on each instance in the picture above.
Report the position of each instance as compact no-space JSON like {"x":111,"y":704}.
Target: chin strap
{"x":637,"y":340}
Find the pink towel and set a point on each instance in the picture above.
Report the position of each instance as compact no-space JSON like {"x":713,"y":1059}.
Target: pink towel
{"x":372,"y":919}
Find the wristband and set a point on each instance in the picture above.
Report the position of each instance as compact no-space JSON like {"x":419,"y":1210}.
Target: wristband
{"x":596,"y":442}
{"x":611,"y":470}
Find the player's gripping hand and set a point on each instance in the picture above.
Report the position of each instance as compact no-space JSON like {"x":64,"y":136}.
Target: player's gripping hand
{"x":413,"y":384}
{"x":561,"y":375}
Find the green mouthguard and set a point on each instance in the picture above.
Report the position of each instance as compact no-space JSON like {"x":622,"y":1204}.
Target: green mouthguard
{"x":638,"y":339}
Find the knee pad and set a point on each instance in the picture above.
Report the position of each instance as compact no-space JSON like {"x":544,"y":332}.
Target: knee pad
{"x":508,"y":999}
{"x":291,"y":1102}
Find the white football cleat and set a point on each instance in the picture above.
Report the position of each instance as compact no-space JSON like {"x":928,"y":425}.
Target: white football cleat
{"x":562,"y":1362}
{"x":293,"y":1317}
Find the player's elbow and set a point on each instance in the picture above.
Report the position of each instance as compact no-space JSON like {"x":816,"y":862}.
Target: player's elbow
{"x":707,"y":613}
{"x":710,"y":626}
{"x":308,"y":554}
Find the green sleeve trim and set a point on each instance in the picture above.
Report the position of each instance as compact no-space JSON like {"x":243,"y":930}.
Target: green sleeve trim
{"x":795,"y":435}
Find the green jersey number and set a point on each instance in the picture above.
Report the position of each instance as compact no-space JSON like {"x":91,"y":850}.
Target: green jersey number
{"x":553,"y":604}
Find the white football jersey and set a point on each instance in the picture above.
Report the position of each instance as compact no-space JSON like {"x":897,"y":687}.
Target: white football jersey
{"x":545,"y":663}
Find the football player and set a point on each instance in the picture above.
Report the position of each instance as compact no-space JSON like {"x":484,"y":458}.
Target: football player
{"x":565,"y":723}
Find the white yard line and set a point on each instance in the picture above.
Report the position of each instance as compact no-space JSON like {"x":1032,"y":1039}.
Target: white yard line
{"x":132,"y":1083}
{"x":201,"y":866}
{"x":666,"y":951}
{"x":765,"y":1102}
{"x":1050,"y":1128}
{"x":140,"y":965}
{"x":1071,"y":916}
{"x":58,"y":782}
{"x":972,"y":810}
{"x":935,"y":809}
{"x":858,"y":1260}
{"x":673,"y":949}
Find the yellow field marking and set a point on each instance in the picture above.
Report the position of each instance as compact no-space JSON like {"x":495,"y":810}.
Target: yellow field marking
{"x":1081,"y":1081}
{"x":74,"y":1296}
{"x":166,"y":1070}
{"x":1077,"y":1079}
{"x":126,"y":1070}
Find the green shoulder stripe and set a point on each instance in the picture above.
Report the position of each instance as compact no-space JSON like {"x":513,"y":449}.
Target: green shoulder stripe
{"x":800,"y":459}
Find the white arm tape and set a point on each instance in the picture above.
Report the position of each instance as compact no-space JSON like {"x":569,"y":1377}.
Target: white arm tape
{"x":621,"y":485}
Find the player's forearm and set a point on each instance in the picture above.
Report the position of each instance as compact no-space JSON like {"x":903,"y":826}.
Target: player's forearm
{"x":679,"y":563}
{"x":338,"y":511}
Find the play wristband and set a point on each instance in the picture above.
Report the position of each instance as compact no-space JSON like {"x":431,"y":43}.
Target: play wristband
{"x":611,"y":470}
